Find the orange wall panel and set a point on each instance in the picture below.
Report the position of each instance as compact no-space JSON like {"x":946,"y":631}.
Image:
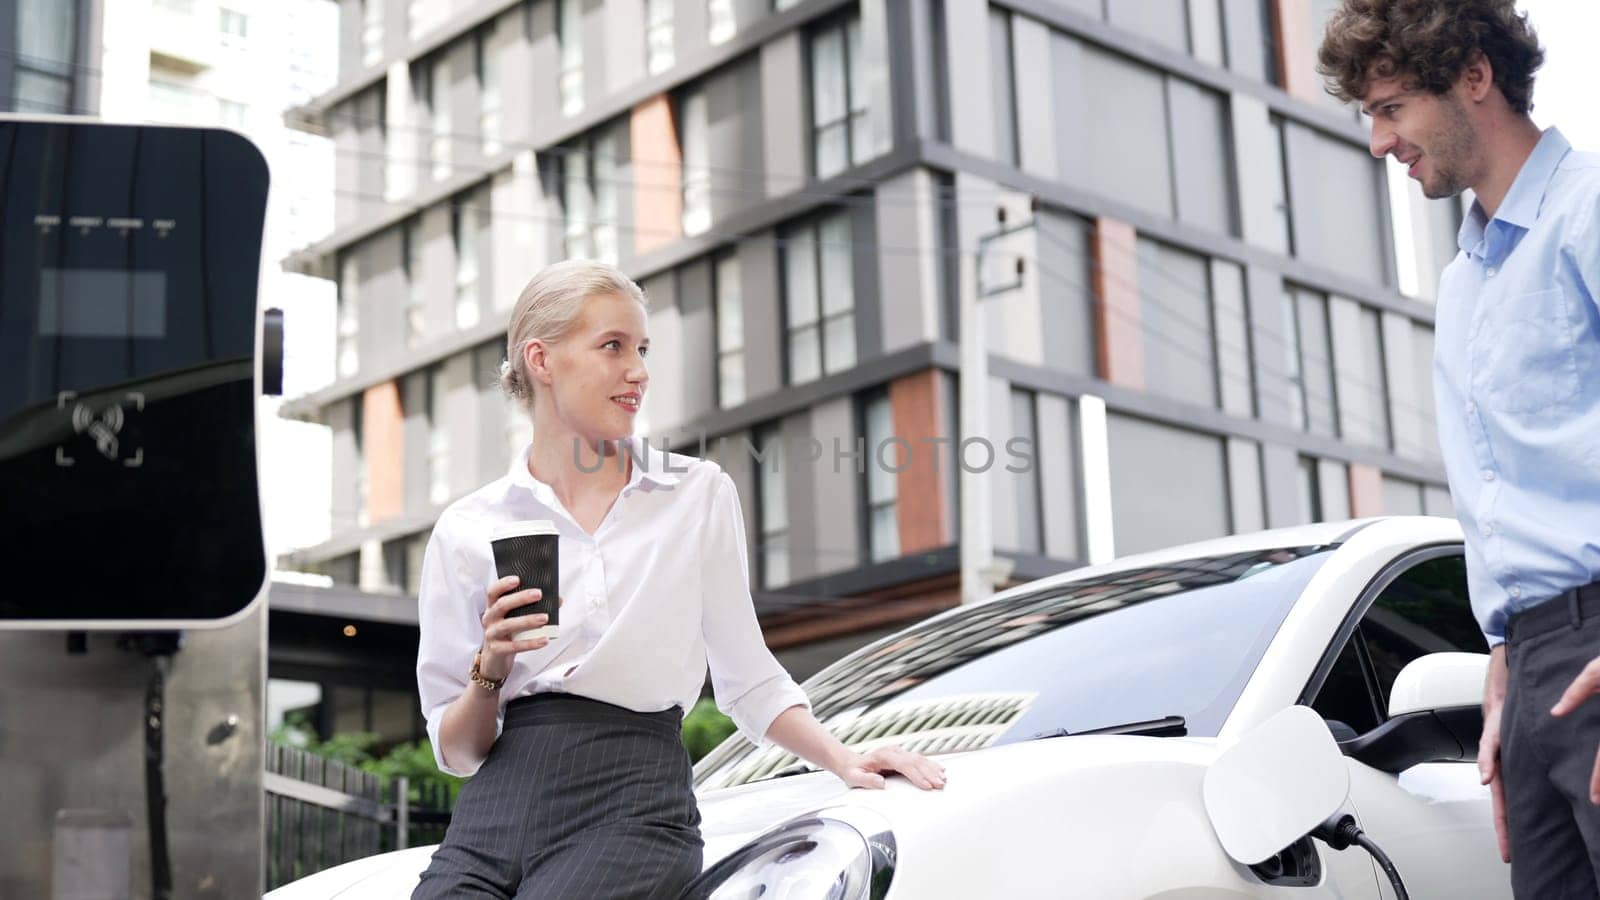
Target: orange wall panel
{"x":383,"y":444}
{"x":1366,"y":491}
{"x":657,"y":175}
{"x":1297,"y":52}
{"x":1120,"y":341}
{"x":917,"y":409}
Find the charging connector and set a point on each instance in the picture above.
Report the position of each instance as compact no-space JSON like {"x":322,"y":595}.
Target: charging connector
{"x":1340,"y":831}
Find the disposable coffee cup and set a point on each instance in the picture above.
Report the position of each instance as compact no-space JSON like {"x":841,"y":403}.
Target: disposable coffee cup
{"x":530,"y":551}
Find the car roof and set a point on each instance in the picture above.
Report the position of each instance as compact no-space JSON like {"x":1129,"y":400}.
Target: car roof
{"x":1316,"y":534}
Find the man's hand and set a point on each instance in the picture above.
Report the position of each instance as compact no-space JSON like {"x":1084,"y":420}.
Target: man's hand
{"x":1494,"y":698}
{"x":863,"y":771}
{"x":1586,"y":685}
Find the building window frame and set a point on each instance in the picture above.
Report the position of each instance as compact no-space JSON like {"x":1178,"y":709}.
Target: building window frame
{"x":489,"y":100}
{"x":837,"y":107}
{"x":347,"y":352}
{"x":569,"y":31}
{"x":772,"y":507}
{"x":880,"y":488}
{"x":465,"y":226}
{"x":371,"y":32}
{"x":721,"y":23}
{"x":416,"y":312}
{"x":589,"y":200}
{"x":438,"y":436}
{"x":659,"y":52}
{"x":694,"y":142}
{"x":727,"y":293}
{"x":817,"y":269}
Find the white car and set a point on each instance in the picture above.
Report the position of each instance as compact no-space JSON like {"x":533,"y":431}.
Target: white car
{"x":1123,"y":730}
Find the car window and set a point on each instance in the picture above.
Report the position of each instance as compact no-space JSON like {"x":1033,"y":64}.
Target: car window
{"x":1423,"y":610}
{"x":1176,"y":640}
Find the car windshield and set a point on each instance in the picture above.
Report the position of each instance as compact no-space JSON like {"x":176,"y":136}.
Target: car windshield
{"x":1175,"y":640}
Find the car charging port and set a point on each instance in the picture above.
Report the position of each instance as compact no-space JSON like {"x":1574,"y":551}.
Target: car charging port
{"x":1340,"y":831}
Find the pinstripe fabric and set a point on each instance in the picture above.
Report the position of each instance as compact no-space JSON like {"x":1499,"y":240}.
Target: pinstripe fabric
{"x":578,"y":800}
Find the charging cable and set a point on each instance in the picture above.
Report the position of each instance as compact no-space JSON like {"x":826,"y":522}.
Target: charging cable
{"x":1340,"y":831}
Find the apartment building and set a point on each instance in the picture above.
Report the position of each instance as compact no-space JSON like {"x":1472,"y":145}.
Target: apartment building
{"x":1223,"y":312}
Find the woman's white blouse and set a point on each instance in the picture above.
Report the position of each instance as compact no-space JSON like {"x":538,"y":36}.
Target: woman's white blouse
{"x":658,"y":591}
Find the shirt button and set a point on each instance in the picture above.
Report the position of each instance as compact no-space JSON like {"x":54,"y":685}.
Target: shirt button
{"x":1491,"y":271}
{"x":1488,"y":475}
{"x":1515,"y":591}
{"x":1487,"y":530}
{"x":1471,"y":407}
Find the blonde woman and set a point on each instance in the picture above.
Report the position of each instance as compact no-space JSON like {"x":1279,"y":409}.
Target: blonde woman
{"x":581,"y":784}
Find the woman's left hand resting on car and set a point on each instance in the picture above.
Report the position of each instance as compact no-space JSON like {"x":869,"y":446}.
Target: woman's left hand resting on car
{"x":798,"y":731}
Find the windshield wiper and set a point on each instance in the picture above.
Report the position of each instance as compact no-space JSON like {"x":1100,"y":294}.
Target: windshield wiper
{"x":1166,"y":726}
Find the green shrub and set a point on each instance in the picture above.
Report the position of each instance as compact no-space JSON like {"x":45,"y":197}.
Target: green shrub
{"x":704,"y":728}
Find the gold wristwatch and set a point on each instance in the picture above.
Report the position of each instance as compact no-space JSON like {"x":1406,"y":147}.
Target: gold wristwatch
{"x":477,"y":676}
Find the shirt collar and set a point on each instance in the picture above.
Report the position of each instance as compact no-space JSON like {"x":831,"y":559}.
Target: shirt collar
{"x":650,"y":464}
{"x":1521,"y":204}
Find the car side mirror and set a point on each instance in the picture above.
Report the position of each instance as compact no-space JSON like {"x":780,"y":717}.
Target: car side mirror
{"x":1439,"y":681}
{"x":1275,"y":785}
{"x":1435,"y":714}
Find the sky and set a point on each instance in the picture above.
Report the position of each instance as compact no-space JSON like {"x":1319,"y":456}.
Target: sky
{"x":1564,"y":90}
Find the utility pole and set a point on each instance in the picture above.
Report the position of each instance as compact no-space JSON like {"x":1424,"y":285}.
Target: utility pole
{"x":979,"y":570}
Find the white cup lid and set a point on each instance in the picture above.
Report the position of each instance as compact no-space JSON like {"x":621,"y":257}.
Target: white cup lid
{"x":523,"y":529}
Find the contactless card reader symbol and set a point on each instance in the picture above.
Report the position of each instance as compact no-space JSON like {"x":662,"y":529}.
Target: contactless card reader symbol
{"x":103,"y":426}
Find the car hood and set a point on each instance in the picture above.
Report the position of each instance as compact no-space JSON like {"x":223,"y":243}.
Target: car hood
{"x":731,"y":817}
{"x":1103,"y":780}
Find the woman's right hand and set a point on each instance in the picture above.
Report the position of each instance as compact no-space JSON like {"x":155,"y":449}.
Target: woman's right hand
{"x":499,"y":650}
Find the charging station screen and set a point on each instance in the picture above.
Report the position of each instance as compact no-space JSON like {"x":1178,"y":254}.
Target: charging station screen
{"x":129,"y":258}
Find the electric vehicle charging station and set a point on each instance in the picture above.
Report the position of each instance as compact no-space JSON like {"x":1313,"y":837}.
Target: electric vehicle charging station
{"x":132,"y":613}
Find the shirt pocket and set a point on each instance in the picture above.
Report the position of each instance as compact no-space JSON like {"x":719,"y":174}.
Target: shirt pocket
{"x":1525,"y":356}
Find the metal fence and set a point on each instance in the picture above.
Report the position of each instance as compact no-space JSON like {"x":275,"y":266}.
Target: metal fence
{"x":321,"y":813}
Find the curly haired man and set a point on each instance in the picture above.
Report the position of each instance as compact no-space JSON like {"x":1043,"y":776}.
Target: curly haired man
{"x":1449,"y":86}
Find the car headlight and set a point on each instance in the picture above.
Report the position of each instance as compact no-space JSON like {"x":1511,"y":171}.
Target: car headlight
{"x":837,"y":854}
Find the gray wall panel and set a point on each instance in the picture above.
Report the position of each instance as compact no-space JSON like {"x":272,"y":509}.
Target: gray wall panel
{"x":1201,"y":159}
{"x":625,"y":22}
{"x":1406,"y":395}
{"x":1233,"y":340}
{"x":733,"y":113}
{"x":1244,"y":486}
{"x":1248,"y":38}
{"x":461,"y":389}
{"x":967,"y":60}
{"x":1280,"y":478}
{"x":800,"y":480}
{"x":665,"y":404}
{"x":763,"y":324}
{"x":1267,"y":343}
{"x":836,"y":495}
{"x":783,"y":114}
{"x":1036,"y":135}
{"x":414,"y":441}
{"x":595,"y":52}
{"x":691,"y":27}
{"x":1002,"y":484}
{"x":908,"y":288}
{"x":1154,"y":503}
{"x":464,"y":150}
{"x":1066,"y":296}
{"x":493,"y":410}
{"x":698,"y":337}
{"x":343,"y":469}
{"x":869,"y":311}
{"x":1057,"y":459}
{"x":544,"y":58}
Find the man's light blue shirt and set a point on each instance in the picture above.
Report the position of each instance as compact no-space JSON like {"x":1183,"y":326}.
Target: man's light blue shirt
{"x":1517,"y":385}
